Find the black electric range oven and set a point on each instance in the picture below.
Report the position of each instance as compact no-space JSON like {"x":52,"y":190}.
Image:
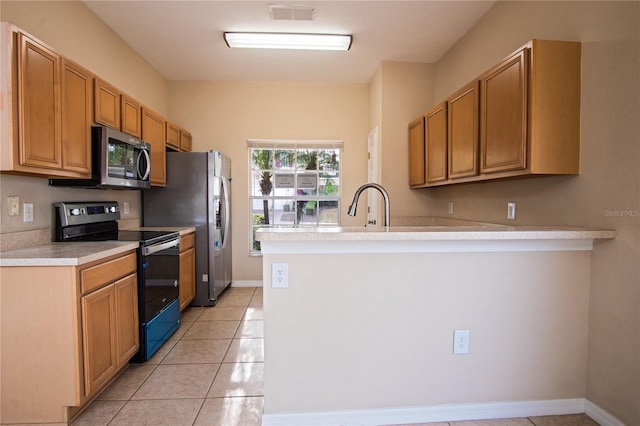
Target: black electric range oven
{"x":158,"y":265}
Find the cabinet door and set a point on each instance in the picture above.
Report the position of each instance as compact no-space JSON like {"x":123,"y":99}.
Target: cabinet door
{"x":435,"y":142}
{"x":130,"y":120}
{"x":462,"y":120}
{"x":153,"y":132}
{"x":187,"y":277}
{"x":128,"y":340}
{"x":416,"y":152}
{"x":503,"y":119}
{"x":39,"y":100}
{"x":99,"y":338}
{"x":76,"y":118}
{"x":185,"y":140}
{"x":173,"y":135}
{"x":107,"y":104}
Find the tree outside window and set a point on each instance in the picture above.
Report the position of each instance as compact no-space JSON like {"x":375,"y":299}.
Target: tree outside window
{"x":293,"y":186}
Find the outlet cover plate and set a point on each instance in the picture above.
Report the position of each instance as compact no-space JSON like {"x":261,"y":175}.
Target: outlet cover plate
{"x":511,"y":211}
{"x":460,"y":341}
{"x":279,"y":275}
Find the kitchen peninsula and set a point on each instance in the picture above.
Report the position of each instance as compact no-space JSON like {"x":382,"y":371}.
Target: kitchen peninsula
{"x":363,"y":333}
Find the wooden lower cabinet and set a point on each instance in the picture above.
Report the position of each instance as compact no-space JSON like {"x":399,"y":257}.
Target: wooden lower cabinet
{"x":109,"y":330}
{"x":187,"y":270}
{"x":67,"y":331}
{"x":99,"y":338}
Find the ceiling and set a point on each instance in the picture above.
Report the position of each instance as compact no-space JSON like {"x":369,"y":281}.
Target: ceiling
{"x":183,"y":39}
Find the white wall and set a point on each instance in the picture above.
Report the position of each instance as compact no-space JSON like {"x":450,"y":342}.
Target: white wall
{"x":224,"y":115}
{"x":609,"y":181}
{"x":375,"y":331}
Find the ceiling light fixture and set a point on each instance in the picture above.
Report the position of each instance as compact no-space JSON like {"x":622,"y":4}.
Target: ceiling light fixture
{"x":288,"y":41}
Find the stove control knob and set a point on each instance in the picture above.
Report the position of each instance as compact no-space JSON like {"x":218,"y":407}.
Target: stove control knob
{"x":75,"y":212}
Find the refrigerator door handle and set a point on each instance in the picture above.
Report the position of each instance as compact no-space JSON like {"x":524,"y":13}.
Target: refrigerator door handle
{"x":225,"y":188}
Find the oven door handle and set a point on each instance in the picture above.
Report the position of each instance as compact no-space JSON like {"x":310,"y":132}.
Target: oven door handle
{"x":159,"y":247}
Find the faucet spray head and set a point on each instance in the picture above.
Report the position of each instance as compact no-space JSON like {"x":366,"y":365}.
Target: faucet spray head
{"x":352,"y":208}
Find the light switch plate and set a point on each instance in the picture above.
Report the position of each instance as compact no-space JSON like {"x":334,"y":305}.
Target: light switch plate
{"x":14,"y":206}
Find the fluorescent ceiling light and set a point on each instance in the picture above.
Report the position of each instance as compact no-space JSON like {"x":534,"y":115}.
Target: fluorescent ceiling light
{"x":288,"y":41}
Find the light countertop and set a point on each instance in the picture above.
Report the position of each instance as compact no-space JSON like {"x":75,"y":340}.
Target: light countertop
{"x":431,"y":233}
{"x":427,"y":239}
{"x":76,"y":253}
{"x":64,"y":254}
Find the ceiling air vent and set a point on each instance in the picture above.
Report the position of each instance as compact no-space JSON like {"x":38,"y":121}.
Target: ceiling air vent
{"x":284,"y":12}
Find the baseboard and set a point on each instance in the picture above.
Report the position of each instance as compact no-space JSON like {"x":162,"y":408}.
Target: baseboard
{"x":434,"y":413}
{"x":601,"y":416}
{"x":246,"y":284}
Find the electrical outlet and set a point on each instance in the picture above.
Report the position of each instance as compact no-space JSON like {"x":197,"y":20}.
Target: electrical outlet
{"x":450,"y":207}
{"x":279,"y":275}
{"x":511,"y":211}
{"x":27,"y":212}
{"x":460,"y":341}
{"x":14,"y":206}
{"x":126,"y":207}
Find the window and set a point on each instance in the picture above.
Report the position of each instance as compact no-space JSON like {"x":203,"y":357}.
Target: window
{"x":293,"y":183}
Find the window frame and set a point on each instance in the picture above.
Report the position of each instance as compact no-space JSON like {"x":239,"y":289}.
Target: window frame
{"x":296,"y":147}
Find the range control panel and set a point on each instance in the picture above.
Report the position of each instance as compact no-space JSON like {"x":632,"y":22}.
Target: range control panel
{"x":77,"y":213}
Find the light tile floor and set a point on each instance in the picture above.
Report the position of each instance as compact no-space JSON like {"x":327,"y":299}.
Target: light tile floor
{"x":210,"y":372}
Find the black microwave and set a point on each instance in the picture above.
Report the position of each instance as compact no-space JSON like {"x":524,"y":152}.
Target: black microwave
{"x":119,"y":161}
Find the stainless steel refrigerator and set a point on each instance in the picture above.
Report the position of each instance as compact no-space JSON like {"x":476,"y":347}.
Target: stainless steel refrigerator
{"x":198,"y":193}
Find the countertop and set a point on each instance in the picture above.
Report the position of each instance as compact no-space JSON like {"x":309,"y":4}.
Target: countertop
{"x":64,"y":254}
{"x":77,"y":253}
{"x":427,"y":239}
{"x":431,"y":233}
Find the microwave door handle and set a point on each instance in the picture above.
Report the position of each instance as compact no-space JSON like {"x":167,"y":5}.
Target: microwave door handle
{"x":146,"y":172}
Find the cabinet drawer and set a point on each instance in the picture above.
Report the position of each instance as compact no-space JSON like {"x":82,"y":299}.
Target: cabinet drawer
{"x":104,"y":273}
{"x":187,"y":241}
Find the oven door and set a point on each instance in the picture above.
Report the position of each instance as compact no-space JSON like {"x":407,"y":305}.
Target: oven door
{"x":159,"y":276}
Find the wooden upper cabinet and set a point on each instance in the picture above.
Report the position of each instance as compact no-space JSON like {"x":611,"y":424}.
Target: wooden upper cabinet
{"x":435,"y":142}
{"x":117,"y":110}
{"x":153,"y":132}
{"x":178,"y":138}
{"x":503,"y":116}
{"x":554,"y":112}
{"x":77,"y":99}
{"x":416,"y":153}
{"x":130,"y":119}
{"x":173,"y":135}
{"x":185,"y":140}
{"x":39,"y":104}
{"x":462,"y":138}
{"x":107,"y":104}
